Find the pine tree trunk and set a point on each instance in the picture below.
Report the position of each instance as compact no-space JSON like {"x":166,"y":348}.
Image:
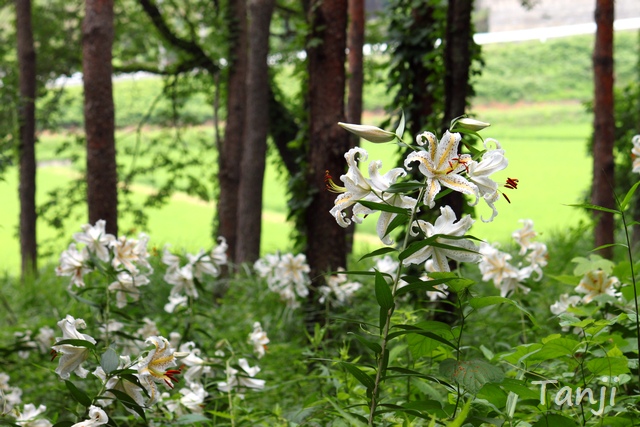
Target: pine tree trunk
{"x":102,"y":177}
{"x":255,"y":134}
{"x":604,"y":126}
{"x":231,"y":153}
{"x":326,"y":247}
{"x":27,"y":123}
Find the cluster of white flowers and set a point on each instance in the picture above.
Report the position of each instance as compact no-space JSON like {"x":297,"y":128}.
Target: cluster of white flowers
{"x":286,"y":275}
{"x":127,"y":257}
{"x":496,"y":266}
{"x":10,"y":397}
{"x":183,"y":277}
{"x":338,"y":290}
{"x":442,"y":166}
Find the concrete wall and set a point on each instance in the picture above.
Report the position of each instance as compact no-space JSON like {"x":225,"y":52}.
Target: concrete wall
{"x":507,"y":15}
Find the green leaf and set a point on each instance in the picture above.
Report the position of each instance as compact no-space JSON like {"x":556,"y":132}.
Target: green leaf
{"x":481,"y":302}
{"x":383,"y":292}
{"x":422,"y":344}
{"x":364,"y":379}
{"x":608,"y":366}
{"x":557,"y":348}
{"x":191,"y":419}
{"x":77,"y":343}
{"x":410,"y":329}
{"x":595,"y":208}
{"x":376,"y":253}
{"x":627,"y":198}
{"x":384,"y":207}
{"x":404,"y":187}
{"x":396,"y":222}
{"x":109,"y":360}
{"x":555,"y":420}
{"x":78,"y":395}
{"x":373,"y":346}
{"x":471,"y":374}
{"x":128,"y":402}
{"x":566,"y":279}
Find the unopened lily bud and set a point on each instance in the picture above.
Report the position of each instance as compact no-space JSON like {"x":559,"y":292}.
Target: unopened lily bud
{"x":370,"y":133}
{"x":470,"y":124}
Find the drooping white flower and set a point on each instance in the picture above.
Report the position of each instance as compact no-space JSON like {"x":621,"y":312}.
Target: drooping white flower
{"x":74,"y":263}
{"x":31,"y":416}
{"x":495,"y":265}
{"x":202,"y":264}
{"x":564,"y":303}
{"x":294,"y":269}
{"x":218,"y":254}
{"x":72,"y":356}
{"x":241,"y":380}
{"x":524,"y":235}
{"x":596,"y":283}
{"x":175,"y":301}
{"x":197,"y":367}
{"x":492,"y":161}
{"x":182,"y":281}
{"x":127,"y":286}
{"x":96,"y":239}
{"x":120,"y":384}
{"x":97,"y":417}
{"x":154,"y":368}
{"x":338,"y":290}
{"x":45,"y":339}
{"x":124,"y":254}
{"x":441,"y":165}
{"x":10,"y":397}
{"x":446,"y":225}
{"x":172,"y":261}
{"x":258,"y":338}
{"x":537,"y":258}
{"x":373,"y":189}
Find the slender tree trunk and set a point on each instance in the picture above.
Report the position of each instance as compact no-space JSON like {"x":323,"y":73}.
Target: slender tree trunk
{"x":231,"y":154}
{"x":255,"y":134}
{"x":27,"y":120}
{"x":326,"y":246}
{"x":604,"y":126}
{"x":355,"y":59}
{"x":102,"y":176}
{"x":457,"y":62}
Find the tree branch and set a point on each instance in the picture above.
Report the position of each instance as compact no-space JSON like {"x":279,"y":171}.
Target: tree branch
{"x":187,"y":46}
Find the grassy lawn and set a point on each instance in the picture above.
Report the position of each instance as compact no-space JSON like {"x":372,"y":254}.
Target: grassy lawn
{"x":545,"y":145}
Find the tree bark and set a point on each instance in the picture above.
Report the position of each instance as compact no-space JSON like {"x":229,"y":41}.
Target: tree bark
{"x":355,"y":60}
{"x":604,"y":126}
{"x":231,"y":151}
{"x":457,"y":62}
{"x":102,"y":177}
{"x":326,"y":244}
{"x":255,"y":133}
{"x":27,"y":123}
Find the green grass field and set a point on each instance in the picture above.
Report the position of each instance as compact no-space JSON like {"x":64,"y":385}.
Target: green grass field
{"x":545,"y":145}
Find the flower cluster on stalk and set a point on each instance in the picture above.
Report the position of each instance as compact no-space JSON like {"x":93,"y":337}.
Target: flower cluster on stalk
{"x":183,"y":278}
{"x":497,"y":266}
{"x":442,"y":166}
{"x":124,"y":257}
{"x":286,"y":275}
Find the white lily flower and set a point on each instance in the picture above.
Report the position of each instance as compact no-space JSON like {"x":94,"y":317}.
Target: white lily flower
{"x":445,"y":224}
{"x":182,"y":281}
{"x":175,"y":301}
{"x":74,"y":263}
{"x":495,"y":265}
{"x":45,"y":339}
{"x":193,"y":397}
{"x":154,"y":368}
{"x":29,"y":417}
{"x":124,"y":254}
{"x":596,"y":283}
{"x":636,"y":154}
{"x":202,"y":264}
{"x":338,"y":289}
{"x":563,"y":304}
{"x":478,"y":173}
{"x":197,"y":366}
{"x":96,"y":239}
{"x":127,"y":285}
{"x":293,"y":270}
{"x":120,"y":384}
{"x":97,"y":417}
{"x":170,"y":260}
{"x":243,"y":381}
{"x":72,"y":356}
{"x":219,"y":253}
{"x":258,"y":338}
{"x":524,"y":235}
{"x":441,"y":165}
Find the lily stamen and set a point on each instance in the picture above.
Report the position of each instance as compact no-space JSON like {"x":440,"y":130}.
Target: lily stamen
{"x":512,"y":183}
{"x":331,"y":185}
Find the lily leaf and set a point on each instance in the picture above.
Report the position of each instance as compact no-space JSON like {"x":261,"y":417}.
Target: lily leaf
{"x":471,"y":374}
